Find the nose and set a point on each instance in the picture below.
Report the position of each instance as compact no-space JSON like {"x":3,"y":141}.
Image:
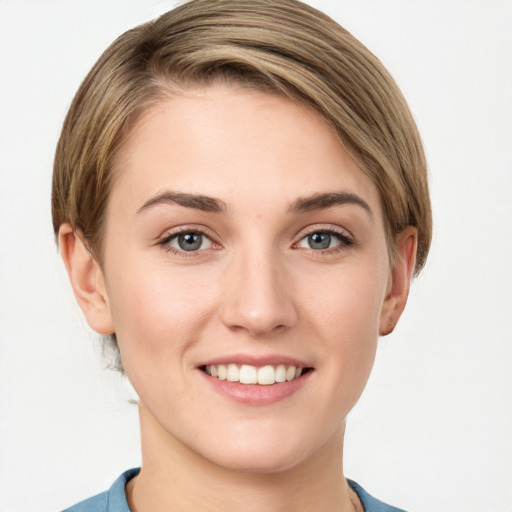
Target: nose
{"x":258,"y":297}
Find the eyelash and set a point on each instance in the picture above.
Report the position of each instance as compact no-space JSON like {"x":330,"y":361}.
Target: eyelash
{"x":167,"y":238}
{"x":345,"y":240}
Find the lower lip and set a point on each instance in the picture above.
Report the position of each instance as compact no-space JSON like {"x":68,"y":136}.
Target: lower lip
{"x":255,"y":394}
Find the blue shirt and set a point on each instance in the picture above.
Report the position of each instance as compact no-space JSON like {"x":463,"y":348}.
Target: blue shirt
{"x":114,"y":500}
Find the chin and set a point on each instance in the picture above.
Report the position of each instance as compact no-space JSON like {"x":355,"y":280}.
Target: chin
{"x":257,"y":463}
{"x":262,"y":456}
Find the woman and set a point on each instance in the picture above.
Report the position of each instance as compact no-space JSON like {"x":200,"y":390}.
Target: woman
{"x":240,"y":199}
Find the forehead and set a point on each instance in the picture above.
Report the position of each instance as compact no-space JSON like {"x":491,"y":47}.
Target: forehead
{"x":237,"y":144}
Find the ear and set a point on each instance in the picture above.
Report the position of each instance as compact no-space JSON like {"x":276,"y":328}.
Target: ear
{"x":399,"y":280}
{"x":86,"y":279}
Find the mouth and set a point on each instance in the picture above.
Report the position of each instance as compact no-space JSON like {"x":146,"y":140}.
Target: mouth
{"x":267,"y":375}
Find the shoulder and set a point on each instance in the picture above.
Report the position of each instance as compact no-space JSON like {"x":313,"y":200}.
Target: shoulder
{"x":370,"y":503}
{"x":98,"y":503}
{"x":113,"y":500}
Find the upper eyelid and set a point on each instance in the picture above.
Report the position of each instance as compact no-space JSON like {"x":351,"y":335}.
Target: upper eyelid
{"x":193,"y":228}
{"x":328,"y":228}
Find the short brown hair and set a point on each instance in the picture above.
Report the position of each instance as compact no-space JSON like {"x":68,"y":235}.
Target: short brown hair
{"x":282,"y":46}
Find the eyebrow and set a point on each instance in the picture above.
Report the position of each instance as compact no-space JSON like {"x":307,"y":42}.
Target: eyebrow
{"x":326,"y":200}
{"x":198,"y":202}
{"x":301,"y":204}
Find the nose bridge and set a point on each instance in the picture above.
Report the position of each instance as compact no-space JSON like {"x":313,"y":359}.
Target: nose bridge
{"x":258,"y":299}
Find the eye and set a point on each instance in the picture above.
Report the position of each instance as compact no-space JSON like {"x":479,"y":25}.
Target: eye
{"x":188,"y":241}
{"x":324,"y":240}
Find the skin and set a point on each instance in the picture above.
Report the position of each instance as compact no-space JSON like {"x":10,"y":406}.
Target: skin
{"x":255,"y":288}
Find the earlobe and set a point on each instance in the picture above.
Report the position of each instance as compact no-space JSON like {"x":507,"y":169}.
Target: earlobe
{"x":400,"y":280}
{"x":86,"y":279}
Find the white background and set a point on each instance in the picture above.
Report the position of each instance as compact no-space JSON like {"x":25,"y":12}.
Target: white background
{"x":433,"y":431}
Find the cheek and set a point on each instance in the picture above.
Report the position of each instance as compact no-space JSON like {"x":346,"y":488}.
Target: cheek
{"x":349,"y":300}
{"x":156,"y":309}
{"x":346,"y":317}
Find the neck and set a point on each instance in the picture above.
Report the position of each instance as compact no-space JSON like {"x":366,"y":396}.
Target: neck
{"x":174,"y":478}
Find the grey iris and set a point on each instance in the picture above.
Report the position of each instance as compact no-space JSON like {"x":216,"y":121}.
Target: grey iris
{"x":190,"y":241}
{"x":319,"y":240}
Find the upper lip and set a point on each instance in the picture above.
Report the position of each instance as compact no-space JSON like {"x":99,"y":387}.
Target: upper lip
{"x":257,"y":360}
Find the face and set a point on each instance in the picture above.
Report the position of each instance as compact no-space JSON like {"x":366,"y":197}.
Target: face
{"x":246,"y":270}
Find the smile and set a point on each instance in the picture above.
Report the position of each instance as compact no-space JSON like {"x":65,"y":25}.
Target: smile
{"x":247,"y":374}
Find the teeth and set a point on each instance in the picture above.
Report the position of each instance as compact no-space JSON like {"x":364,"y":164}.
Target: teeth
{"x":290,"y":372}
{"x":222,"y":371}
{"x":281,"y":373}
{"x":247,"y":374}
{"x":266,"y":375}
{"x":233,"y":373}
